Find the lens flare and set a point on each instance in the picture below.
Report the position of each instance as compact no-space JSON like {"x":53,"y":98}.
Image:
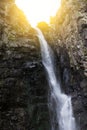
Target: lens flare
{"x":38,"y":10}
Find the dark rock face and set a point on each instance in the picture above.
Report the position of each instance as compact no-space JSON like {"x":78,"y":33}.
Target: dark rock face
{"x":23,"y":90}
{"x":71,"y":30}
{"x":74,"y":83}
{"x":23,"y":84}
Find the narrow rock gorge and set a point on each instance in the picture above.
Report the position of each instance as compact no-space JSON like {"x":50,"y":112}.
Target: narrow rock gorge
{"x":23,"y":84}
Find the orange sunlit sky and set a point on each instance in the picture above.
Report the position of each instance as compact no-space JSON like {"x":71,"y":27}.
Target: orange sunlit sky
{"x":38,"y":10}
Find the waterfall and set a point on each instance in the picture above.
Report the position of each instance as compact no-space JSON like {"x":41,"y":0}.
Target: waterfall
{"x":59,"y":103}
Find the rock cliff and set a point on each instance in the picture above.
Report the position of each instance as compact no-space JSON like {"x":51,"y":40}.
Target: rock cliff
{"x":71,"y":29}
{"x":23,"y":92}
{"x":23,"y":84}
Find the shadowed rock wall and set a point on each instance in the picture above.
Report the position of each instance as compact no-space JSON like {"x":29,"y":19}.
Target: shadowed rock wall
{"x":71,"y":30}
{"x":23,"y":84}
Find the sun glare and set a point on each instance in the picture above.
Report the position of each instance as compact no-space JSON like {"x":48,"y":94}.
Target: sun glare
{"x":38,"y":10}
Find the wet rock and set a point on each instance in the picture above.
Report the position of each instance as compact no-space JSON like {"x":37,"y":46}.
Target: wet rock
{"x":23,"y":90}
{"x":70,"y":25}
{"x":23,"y":84}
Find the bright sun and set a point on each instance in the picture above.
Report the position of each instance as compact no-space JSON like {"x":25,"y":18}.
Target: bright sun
{"x":38,"y":10}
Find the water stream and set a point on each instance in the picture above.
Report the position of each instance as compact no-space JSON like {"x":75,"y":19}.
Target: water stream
{"x":59,"y":103}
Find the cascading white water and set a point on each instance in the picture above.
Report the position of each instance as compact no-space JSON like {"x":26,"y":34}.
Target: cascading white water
{"x":63,"y":107}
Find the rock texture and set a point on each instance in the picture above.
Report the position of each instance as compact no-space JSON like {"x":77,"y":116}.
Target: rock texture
{"x":23,"y":92}
{"x":71,"y":30}
{"x":23,"y":84}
